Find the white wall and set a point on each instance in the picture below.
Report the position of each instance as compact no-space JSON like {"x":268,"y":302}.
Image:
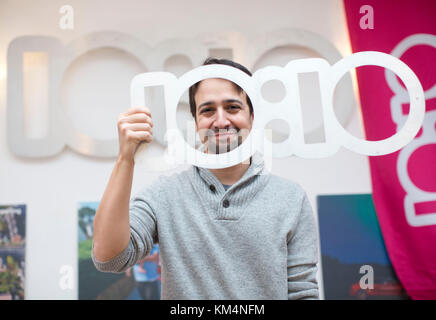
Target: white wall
{"x":52,"y":187}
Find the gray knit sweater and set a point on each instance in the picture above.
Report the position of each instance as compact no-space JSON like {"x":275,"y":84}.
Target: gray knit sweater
{"x":257,"y":240}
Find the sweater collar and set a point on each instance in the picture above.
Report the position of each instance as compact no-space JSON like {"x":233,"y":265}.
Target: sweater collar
{"x":230,"y":204}
{"x":256,"y":167}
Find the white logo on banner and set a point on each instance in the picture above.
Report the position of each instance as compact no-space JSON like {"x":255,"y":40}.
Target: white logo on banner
{"x":414,"y":194}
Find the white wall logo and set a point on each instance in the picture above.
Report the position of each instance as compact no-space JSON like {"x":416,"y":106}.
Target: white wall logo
{"x":60,"y":132}
{"x":414,"y":194}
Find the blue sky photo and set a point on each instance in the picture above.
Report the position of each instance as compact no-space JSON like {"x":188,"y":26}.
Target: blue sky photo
{"x":349,"y":229}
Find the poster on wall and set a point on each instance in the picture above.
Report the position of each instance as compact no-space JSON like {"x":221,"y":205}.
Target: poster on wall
{"x":355,"y":263}
{"x":12,"y":251}
{"x":141,"y":282}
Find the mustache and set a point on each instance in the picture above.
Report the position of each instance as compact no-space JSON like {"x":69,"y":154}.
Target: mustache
{"x":208,"y":137}
{"x":212,"y":132}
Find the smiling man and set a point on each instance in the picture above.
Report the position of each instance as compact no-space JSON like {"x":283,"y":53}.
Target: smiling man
{"x":223,"y":111}
{"x":223,"y":118}
{"x":232,"y":233}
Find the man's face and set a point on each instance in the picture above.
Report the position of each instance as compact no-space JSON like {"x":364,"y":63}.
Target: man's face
{"x":223,"y":116}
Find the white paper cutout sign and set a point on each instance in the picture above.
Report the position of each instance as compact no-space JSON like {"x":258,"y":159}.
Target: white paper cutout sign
{"x":289,"y":109}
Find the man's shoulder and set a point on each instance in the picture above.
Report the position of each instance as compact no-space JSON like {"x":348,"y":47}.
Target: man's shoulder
{"x":172,"y":176}
{"x":282,"y":184}
{"x":169,"y":180}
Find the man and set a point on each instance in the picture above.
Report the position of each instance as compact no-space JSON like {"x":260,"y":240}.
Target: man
{"x":232,"y":233}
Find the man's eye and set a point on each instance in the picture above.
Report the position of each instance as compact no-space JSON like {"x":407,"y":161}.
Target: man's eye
{"x":205,"y":110}
{"x":235,"y":107}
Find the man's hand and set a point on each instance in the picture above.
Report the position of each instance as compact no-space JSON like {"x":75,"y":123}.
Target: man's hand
{"x":134,"y":127}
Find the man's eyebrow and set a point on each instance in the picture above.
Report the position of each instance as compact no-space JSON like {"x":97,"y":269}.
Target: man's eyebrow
{"x":233,"y":101}
{"x":207,"y":103}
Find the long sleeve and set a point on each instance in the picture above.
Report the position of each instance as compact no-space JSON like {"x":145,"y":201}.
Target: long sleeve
{"x":143,"y":233}
{"x":303,"y":256}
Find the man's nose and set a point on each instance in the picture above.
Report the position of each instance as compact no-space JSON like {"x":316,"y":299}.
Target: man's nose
{"x":221,"y":120}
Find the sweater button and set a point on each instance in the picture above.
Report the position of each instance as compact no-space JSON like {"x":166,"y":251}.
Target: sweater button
{"x":212,"y":188}
{"x":226,"y":203}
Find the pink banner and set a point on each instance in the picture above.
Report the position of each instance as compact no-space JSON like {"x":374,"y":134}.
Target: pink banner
{"x":404,"y":183}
